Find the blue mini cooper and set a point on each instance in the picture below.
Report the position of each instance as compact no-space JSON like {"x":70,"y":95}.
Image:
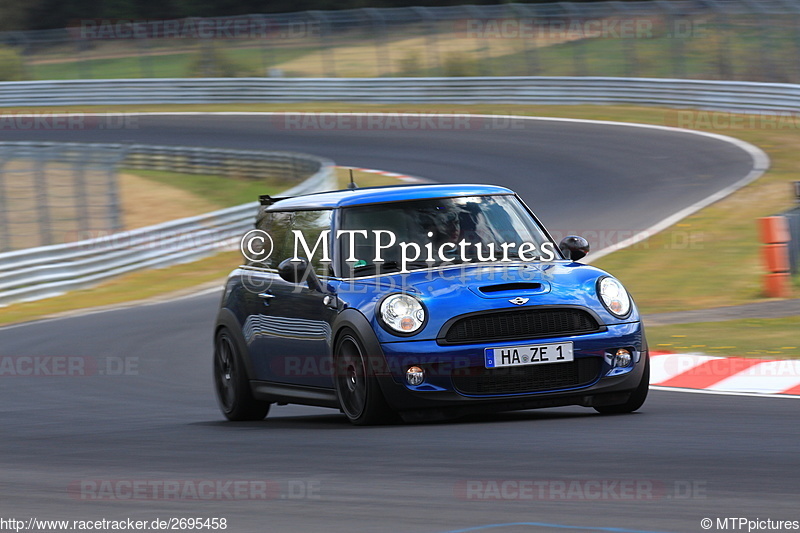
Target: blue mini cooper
{"x":421,"y":302}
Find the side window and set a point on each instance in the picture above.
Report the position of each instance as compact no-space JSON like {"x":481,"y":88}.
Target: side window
{"x":311,"y":224}
{"x":277,"y":225}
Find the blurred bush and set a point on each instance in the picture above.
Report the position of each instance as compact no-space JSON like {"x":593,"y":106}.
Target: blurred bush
{"x":213,"y":63}
{"x":12,"y":67}
{"x":460,"y":64}
{"x":411,"y":64}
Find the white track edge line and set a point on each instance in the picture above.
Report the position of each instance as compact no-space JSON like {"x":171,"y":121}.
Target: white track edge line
{"x":725,"y":393}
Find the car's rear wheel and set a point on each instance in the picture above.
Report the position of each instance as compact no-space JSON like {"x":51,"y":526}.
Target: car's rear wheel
{"x":637,"y":397}
{"x":231,"y":383}
{"x":359,"y":394}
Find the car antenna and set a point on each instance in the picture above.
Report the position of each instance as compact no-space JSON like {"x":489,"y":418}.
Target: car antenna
{"x":352,"y":184}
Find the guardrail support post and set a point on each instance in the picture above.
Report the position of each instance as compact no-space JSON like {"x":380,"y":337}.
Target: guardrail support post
{"x":5,"y":233}
{"x":774,"y":236}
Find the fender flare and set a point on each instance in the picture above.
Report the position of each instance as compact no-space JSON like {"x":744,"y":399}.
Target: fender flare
{"x":358,"y":323}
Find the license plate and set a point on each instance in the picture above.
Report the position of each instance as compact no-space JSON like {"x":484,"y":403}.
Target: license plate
{"x":528,"y":354}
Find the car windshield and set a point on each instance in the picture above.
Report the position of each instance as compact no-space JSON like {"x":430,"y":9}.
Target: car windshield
{"x":425,"y":233}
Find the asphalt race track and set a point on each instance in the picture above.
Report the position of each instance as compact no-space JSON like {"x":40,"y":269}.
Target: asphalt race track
{"x":137,"y":408}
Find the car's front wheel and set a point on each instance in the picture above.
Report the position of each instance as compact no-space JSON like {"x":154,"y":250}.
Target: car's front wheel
{"x":637,"y":397}
{"x":357,"y":389}
{"x":231,"y":383}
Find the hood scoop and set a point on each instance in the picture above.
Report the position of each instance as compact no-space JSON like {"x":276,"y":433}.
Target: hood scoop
{"x":504,"y":287}
{"x":508,"y":290}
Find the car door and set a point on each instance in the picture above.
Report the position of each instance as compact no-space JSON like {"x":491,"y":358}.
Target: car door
{"x":288,"y":324}
{"x":259,"y":279}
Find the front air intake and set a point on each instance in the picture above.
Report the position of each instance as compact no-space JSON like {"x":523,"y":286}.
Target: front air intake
{"x":519,"y":324}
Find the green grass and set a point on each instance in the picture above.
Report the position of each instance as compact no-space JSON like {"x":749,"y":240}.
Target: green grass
{"x":228,"y":192}
{"x":220,"y":190}
{"x":770,"y":338}
{"x":166,"y":66}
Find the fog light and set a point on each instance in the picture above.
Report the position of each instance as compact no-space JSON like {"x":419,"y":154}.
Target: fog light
{"x":415,"y":375}
{"x":622,"y":358}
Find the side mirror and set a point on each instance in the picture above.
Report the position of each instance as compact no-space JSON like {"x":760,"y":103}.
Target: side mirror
{"x":299,"y":272}
{"x":574,"y":247}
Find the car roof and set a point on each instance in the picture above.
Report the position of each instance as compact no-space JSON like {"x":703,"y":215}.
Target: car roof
{"x":391,"y":193}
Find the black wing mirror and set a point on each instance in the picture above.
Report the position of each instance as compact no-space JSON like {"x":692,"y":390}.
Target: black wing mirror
{"x":574,"y":247}
{"x":298,"y":272}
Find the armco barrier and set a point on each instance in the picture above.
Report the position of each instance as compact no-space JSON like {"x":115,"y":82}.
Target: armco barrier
{"x":727,"y":95}
{"x":285,"y":166}
{"x":36,"y":273}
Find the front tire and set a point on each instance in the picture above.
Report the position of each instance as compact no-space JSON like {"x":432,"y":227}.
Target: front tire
{"x":231,"y":383}
{"x":637,"y":397}
{"x":357,"y":389}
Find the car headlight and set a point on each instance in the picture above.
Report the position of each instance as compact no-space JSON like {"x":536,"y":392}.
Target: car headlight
{"x":614,"y":296}
{"x":402,"y":314}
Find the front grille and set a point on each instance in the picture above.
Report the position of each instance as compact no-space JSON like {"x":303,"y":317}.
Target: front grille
{"x":531,"y":378}
{"x":519,"y":324}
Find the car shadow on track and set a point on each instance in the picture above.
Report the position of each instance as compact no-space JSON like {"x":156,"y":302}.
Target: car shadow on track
{"x":339,"y":421}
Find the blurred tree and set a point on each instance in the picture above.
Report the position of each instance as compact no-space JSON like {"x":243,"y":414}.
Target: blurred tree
{"x":46,"y":14}
{"x":14,"y":15}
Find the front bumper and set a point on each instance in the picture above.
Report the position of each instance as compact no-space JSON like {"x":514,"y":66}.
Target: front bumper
{"x":443,"y":390}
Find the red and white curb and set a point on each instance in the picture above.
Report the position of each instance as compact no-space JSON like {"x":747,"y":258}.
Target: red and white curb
{"x":736,"y":375}
{"x":401,"y":177}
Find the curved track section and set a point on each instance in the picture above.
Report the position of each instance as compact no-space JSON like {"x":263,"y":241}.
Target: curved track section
{"x":137,"y":406}
{"x":604,"y":180}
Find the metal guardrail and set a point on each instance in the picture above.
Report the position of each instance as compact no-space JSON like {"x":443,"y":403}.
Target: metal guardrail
{"x":727,"y":95}
{"x":47,"y":271}
{"x":249,"y":164}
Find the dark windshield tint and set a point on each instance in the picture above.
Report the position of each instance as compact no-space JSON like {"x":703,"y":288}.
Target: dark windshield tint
{"x":447,"y":230}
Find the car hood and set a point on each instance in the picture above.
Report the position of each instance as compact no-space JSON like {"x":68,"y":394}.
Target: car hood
{"x":460,"y":289}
